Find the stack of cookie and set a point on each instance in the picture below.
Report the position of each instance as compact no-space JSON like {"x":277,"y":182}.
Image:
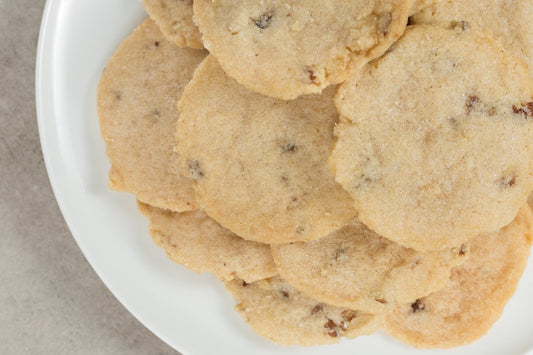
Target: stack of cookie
{"x":341,"y":171}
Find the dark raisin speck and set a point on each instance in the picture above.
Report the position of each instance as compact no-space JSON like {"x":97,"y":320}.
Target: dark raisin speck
{"x":195,"y":170}
{"x":316,"y":309}
{"x":156,"y":43}
{"x":264,"y":20}
{"x":289,"y":148}
{"x":462,"y":251}
{"x":331,"y":328}
{"x":470,"y":102}
{"x":418,"y":306}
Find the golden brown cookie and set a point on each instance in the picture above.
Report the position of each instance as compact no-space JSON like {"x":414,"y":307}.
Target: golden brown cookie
{"x":174,"y":18}
{"x":475,"y":296}
{"x":434,"y":145}
{"x":194,"y":240}
{"x":137,"y":97}
{"x":357,"y":269}
{"x":275,"y":310}
{"x":260,"y":164}
{"x":287,"y":48}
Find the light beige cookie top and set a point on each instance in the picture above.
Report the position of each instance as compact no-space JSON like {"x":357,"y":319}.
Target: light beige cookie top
{"x":287,"y":48}
{"x":509,"y":20}
{"x":260,"y":164}
{"x":420,"y":5}
{"x":174,"y":18}
{"x":435,"y":142}
{"x":194,"y":240}
{"x":357,"y":269}
{"x":137,"y":97}
{"x":475,"y":295}
{"x":275,"y":310}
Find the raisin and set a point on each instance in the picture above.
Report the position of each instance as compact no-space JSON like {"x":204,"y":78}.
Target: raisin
{"x":347,"y":317}
{"x":418,"y":306}
{"x":195,"y":170}
{"x":470,"y":101}
{"x":156,"y":43}
{"x":338,"y":253}
{"x":317,"y":309}
{"x":507,"y":181}
{"x":117,"y":94}
{"x":381,"y":300}
{"x":264,"y":20}
{"x":244,"y":284}
{"x":284,"y":294}
{"x":525,"y":110}
{"x":289,"y":148}
{"x":311,"y":73}
{"x":462,"y":251}
{"x":331,"y":328}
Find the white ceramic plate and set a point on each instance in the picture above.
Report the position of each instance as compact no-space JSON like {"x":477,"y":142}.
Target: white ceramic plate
{"x":190,"y":312}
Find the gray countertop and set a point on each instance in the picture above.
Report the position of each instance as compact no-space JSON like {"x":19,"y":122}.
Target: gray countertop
{"x":51,"y":301}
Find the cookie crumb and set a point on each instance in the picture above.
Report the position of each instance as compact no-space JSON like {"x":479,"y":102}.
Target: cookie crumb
{"x":264,"y":20}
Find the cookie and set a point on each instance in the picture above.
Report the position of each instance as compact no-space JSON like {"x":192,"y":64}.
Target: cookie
{"x":287,"y":48}
{"x":435,"y":142}
{"x":275,"y":310}
{"x":194,"y":240}
{"x":357,"y":269}
{"x":509,"y":20}
{"x":137,"y":97}
{"x":174,"y":18}
{"x":260,"y":164}
{"x":475,"y":295}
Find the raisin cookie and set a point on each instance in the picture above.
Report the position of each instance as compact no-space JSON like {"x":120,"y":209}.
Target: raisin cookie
{"x":260,"y":164}
{"x":275,"y":310}
{"x":357,"y":269}
{"x":137,"y":97}
{"x":174,"y":18}
{"x":194,"y":240}
{"x":509,"y":20}
{"x":475,"y":296}
{"x":435,"y":142}
{"x":287,"y":48}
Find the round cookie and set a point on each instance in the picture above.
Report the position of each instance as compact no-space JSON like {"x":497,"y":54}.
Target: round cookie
{"x":475,"y":296}
{"x":509,"y":20}
{"x":275,"y":310}
{"x":137,"y":97}
{"x":357,"y":269}
{"x":194,"y":240}
{"x":435,"y":142}
{"x":260,"y":164}
{"x":287,"y":48}
{"x":174,"y":18}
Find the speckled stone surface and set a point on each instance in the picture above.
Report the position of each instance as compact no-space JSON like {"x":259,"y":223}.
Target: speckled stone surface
{"x":51,"y":301}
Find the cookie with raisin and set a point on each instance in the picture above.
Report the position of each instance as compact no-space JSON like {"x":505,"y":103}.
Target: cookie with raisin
{"x":277,"y":311}
{"x":137,"y":97}
{"x":435,"y":142}
{"x":285,"y":49}
{"x":356,"y":268}
{"x":475,"y":296}
{"x":259,"y":164}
